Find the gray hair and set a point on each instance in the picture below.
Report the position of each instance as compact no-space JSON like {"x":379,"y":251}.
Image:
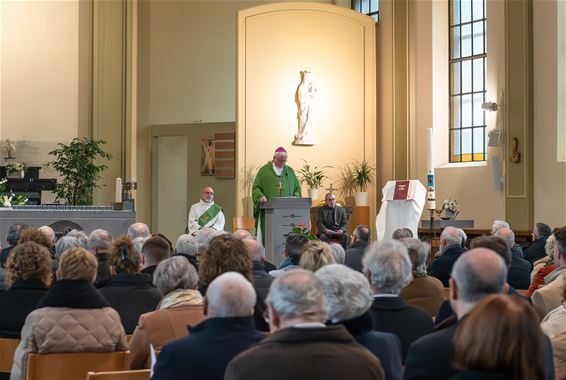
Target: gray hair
{"x":389,"y":266}
{"x":64,"y":243}
{"x":338,"y":253}
{"x":463,"y":236}
{"x":542,"y":230}
{"x":298,"y":294}
{"x":204,"y":237}
{"x":507,"y":235}
{"x":230,"y":295}
{"x":478,"y":273}
{"x":255,"y":249}
{"x":418,"y":253}
{"x":81,"y":236}
{"x":138,"y":230}
{"x":137,"y":244}
{"x":498,"y":224}
{"x":347,"y":292}
{"x":48,"y":232}
{"x":186,"y":245}
{"x":99,"y":239}
{"x":550,"y":247}
{"x":451,"y":236}
{"x":175,"y":273}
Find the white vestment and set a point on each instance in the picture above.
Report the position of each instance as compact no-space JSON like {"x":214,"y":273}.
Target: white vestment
{"x":197,"y":210}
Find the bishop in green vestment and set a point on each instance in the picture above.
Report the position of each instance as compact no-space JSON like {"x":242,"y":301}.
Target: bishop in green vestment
{"x":274,"y":179}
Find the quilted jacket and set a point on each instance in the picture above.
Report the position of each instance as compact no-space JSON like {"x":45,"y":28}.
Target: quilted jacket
{"x":63,"y":329}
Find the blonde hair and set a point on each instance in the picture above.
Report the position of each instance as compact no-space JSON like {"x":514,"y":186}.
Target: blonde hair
{"x":77,"y":264}
{"x":315,"y":255}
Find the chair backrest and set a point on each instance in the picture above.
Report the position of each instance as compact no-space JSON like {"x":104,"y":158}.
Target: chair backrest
{"x":7,"y":350}
{"x":243,"y":223}
{"x":74,"y":365}
{"x":137,"y":374}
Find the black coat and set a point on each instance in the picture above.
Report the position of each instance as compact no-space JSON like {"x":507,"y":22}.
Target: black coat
{"x":535,"y":251}
{"x":386,"y":346}
{"x":16,"y":303}
{"x":354,"y":255}
{"x":519,"y":273}
{"x":131,"y":295}
{"x":442,"y":266}
{"x":206,"y":352}
{"x":394,"y":315}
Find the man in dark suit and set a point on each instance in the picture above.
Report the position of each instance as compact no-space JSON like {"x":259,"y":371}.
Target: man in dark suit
{"x":301,"y":346}
{"x":331,"y":221}
{"x":477,"y":273}
{"x":227,"y":331}
{"x":389,"y":269}
{"x":519,"y":271}
{"x":536,"y":250}
{"x":358,"y":244}
{"x":450,"y":250}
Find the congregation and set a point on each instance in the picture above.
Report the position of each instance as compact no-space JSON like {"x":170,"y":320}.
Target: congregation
{"x":213,"y":307}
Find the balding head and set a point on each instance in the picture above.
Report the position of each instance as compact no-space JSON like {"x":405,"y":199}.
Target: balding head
{"x":498,"y":224}
{"x":99,"y":240}
{"x":507,"y":235}
{"x":230,"y":295}
{"x":138,"y":230}
{"x":242,"y":234}
{"x":48,"y":232}
{"x":450,"y":236}
{"x":256,"y":251}
{"x":477,"y":273}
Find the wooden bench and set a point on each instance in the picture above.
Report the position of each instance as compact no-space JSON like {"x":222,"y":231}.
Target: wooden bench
{"x":136,"y":374}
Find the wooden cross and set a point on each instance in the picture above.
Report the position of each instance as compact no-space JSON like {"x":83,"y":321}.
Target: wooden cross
{"x":331,"y":189}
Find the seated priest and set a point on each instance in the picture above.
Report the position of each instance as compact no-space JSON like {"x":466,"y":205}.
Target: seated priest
{"x":331,"y":221}
{"x":205,"y":213}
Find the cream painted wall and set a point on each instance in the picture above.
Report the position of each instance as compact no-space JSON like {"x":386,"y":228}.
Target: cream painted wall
{"x":549,"y":174}
{"x":39,"y":76}
{"x":337,"y":46}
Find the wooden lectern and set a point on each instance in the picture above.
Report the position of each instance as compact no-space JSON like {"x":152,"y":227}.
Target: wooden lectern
{"x":281,"y":214}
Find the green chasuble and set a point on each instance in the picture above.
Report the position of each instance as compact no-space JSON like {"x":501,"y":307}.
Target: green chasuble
{"x":266,"y":184}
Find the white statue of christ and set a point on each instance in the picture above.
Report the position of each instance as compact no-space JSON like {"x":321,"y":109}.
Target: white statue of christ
{"x":305,"y":95}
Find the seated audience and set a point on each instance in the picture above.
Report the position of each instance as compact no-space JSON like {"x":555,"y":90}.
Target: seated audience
{"x":294,"y":244}
{"x":187,"y":248}
{"x":549,"y":296}
{"x":181,"y":305}
{"x":331,"y":221}
{"x":100,"y":244}
{"x":315,"y":255}
{"x":81,"y":236}
{"x":402,"y":233}
{"x":72,"y":316}
{"x":499,"y":339}
{"x":338,"y":253}
{"x":129,"y":292}
{"x":261,"y":279}
{"x":519,"y":272}
{"x":554,"y":326}
{"x":300,"y":345}
{"x":543,"y":267}
{"x":450,"y":250}
{"x":227,"y":330}
{"x":29,"y":276}
{"x":35,"y":235}
{"x":536,"y":250}
{"x":64,"y":243}
{"x":137,"y":245}
{"x":425,"y":292}
{"x":166,"y":240}
{"x":204,"y":236}
{"x":154,"y":251}
{"x":14,"y":234}
{"x":349,"y":297}
{"x":138,"y":230}
{"x":359,"y":241}
{"x":388,"y":268}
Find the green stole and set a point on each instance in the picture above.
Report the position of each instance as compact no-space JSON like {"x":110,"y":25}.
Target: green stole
{"x":207,"y":216}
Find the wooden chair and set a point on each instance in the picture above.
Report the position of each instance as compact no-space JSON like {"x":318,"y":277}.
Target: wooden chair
{"x":74,"y":365}
{"x":137,"y":374}
{"x":243,"y":223}
{"x":7,"y":350}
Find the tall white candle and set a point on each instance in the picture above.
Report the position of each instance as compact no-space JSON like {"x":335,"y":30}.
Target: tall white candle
{"x":430,"y":194}
{"x":118,"y":190}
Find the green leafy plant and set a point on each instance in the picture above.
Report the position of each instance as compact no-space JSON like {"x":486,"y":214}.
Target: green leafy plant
{"x":364,"y":175}
{"x":312,"y":176}
{"x":346,"y":181}
{"x":76,"y":164}
{"x":302,"y":229}
{"x":15,"y":167}
{"x":9,"y":199}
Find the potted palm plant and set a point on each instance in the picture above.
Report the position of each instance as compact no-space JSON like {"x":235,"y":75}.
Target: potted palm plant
{"x":363,"y":176}
{"x":312,"y":177}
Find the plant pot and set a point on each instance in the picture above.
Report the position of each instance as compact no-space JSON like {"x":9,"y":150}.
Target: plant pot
{"x":17,"y":174}
{"x":313,"y":194}
{"x":361,"y":198}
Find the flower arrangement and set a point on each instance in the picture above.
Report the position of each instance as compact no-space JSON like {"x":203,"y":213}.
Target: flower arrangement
{"x":449,"y":209}
{"x":15,"y":167}
{"x":9,"y":200}
{"x":302,"y":229}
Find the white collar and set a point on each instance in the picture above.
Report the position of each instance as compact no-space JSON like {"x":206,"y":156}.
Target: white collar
{"x":277,"y":170}
{"x":206,"y":203}
{"x":385,"y":295}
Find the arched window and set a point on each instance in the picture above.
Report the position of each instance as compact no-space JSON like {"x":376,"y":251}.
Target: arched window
{"x":367,"y":7}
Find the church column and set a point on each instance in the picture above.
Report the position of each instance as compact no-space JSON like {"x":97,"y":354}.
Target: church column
{"x":518,"y":114}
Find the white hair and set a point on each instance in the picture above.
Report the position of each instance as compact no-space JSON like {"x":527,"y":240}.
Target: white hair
{"x":347,"y":292}
{"x":137,"y":244}
{"x":100,"y":239}
{"x":138,"y":230}
{"x":298,"y":294}
{"x":48,"y":232}
{"x":186,"y":244}
{"x":451,"y":236}
{"x":507,"y":235}
{"x":338,"y":253}
{"x":64,"y":243}
{"x":230,"y":295}
{"x":497,"y":224}
{"x":418,"y":253}
{"x":175,"y":273}
{"x":388,"y":265}
{"x":81,"y":236}
{"x":204,"y":237}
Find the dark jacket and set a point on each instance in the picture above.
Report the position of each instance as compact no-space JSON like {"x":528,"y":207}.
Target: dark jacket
{"x":333,"y":219}
{"x":474,"y":375}
{"x":535,"y":251}
{"x":4,"y":255}
{"x":191,"y":258}
{"x":16,"y":303}
{"x":261,"y":279}
{"x":354,"y":255}
{"x":394,"y":315}
{"x":442,"y":266}
{"x":519,"y":273}
{"x":131,"y":295}
{"x":149,"y":270}
{"x":206,"y":352}
{"x":386,"y":346}
{"x":306,"y":353}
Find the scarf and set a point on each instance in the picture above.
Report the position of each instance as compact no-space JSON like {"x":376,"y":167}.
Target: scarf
{"x":74,"y":294}
{"x":180,"y":297}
